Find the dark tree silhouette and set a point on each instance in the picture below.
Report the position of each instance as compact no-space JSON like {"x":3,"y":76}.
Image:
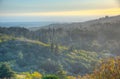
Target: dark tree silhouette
{"x":6,"y":71}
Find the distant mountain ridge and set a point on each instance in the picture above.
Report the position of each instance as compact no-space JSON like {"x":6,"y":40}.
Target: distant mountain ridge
{"x":105,"y":19}
{"x":24,"y":24}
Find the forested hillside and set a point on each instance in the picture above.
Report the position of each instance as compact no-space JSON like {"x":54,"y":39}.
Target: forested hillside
{"x":75,"y":49}
{"x":29,"y":55}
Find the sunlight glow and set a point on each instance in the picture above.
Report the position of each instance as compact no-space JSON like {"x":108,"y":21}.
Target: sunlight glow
{"x":113,"y":11}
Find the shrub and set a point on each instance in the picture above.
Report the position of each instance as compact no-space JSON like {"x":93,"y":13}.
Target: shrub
{"x":50,"y":77}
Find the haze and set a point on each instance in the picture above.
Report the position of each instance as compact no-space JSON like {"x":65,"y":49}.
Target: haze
{"x":56,"y":10}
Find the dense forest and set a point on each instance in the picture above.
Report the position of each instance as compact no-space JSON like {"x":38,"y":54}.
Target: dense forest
{"x":75,"y":48}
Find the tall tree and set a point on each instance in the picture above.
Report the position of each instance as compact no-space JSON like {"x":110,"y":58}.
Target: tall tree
{"x":6,"y":71}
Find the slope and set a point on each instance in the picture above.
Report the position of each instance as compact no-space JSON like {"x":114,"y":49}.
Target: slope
{"x":30,"y":55}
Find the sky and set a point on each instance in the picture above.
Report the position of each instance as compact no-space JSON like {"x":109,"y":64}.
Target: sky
{"x":56,"y":10}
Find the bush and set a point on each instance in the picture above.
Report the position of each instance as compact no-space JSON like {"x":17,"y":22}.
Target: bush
{"x":50,"y":77}
{"x":34,"y":75}
{"x":108,"y":69}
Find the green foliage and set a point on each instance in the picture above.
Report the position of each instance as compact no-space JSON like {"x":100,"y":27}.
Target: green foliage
{"x":50,"y":77}
{"x":20,"y":55}
{"x":4,"y":38}
{"x":43,"y":60}
{"x":51,"y":66}
{"x":32,"y":41}
{"x":81,"y":62}
{"x":6,"y":71}
{"x":34,"y":75}
{"x":76,"y":50}
{"x":62,"y":74}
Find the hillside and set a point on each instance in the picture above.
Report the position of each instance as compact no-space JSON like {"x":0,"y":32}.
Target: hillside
{"x":102,"y":20}
{"x":100,"y":35}
{"x":76,"y":49}
{"x":24,"y":55}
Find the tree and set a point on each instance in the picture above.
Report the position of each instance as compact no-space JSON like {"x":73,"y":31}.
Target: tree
{"x":6,"y":71}
{"x":56,"y":49}
{"x":52,"y":47}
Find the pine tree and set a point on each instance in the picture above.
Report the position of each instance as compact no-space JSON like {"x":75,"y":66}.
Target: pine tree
{"x":6,"y":71}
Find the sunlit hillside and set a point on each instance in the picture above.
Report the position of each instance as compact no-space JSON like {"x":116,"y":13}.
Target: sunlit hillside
{"x":59,"y":39}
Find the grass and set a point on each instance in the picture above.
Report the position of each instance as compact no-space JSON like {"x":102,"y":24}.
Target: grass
{"x":4,"y":38}
{"x":32,"y":41}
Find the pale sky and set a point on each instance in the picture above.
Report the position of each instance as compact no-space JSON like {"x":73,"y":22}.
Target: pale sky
{"x":56,"y":10}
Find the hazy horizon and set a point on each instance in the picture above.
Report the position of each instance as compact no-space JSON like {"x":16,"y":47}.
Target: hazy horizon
{"x":56,"y":11}
{"x":29,"y":24}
